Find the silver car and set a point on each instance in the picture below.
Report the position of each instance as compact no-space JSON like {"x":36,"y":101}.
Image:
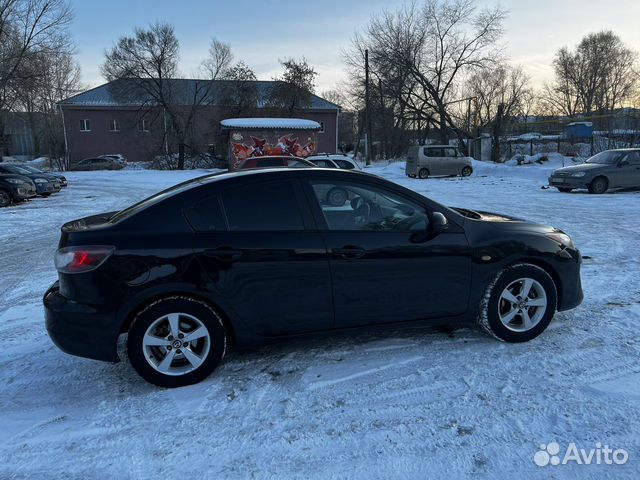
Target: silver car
{"x":437,"y":160}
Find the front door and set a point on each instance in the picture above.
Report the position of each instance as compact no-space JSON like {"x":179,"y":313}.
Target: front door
{"x":630,"y":172}
{"x":263,"y":259}
{"x":385,"y":267}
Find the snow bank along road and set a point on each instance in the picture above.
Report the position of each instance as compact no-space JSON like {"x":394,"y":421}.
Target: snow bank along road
{"x":404,"y":405}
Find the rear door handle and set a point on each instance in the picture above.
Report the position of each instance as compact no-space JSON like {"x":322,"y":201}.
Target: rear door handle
{"x":223,"y":253}
{"x":350,"y":251}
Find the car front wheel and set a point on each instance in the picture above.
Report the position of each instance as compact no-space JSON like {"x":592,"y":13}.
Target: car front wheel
{"x":466,"y":171}
{"x":423,"y":173}
{"x":599,"y":185}
{"x":5,"y":198}
{"x":518,"y":304}
{"x":176,"y":341}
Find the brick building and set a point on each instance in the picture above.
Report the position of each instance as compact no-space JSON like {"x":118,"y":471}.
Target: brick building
{"x":118,"y":117}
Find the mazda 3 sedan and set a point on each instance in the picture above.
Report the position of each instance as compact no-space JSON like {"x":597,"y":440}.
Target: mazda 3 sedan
{"x":258,"y":255}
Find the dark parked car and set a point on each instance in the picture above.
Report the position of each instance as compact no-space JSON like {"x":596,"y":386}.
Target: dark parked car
{"x":100,"y":163}
{"x":61,"y":178}
{"x":15,"y":188}
{"x":274,"y":161}
{"x":257,"y":255}
{"x":45,"y":184}
{"x":606,"y":170}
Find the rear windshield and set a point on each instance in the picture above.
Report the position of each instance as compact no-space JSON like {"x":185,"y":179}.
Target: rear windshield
{"x":158,"y":197}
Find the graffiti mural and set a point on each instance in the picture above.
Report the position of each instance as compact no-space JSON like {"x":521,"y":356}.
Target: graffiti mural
{"x":249,"y":146}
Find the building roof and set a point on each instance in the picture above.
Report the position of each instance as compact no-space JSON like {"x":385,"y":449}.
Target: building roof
{"x":265,"y":123}
{"x":130,"y":93}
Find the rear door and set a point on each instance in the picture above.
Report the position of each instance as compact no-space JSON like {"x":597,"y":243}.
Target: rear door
{"x":631,"y":173}
{"x":262,"y":255}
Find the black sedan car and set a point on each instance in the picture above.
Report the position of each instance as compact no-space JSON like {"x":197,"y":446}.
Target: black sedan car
{"x":15,"y":188}
{"x":45,"y":184}
{"x":259,"y":255}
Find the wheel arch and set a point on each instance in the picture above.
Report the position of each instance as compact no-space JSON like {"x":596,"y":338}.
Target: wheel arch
{"x":136,"y":307}
{"x":548,"y":268}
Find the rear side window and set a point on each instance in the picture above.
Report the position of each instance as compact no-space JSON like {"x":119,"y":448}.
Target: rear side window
{"x":449,"y":152}
{"x":270,"y":162}
{"x":433,"y":152}
{"x":268,"y":206}
{"x":344,"y":164}
{"x":206,"y":215}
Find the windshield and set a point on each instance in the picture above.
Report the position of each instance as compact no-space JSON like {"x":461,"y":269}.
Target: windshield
{"x":16,"y":169}
{"x":606,"y":158}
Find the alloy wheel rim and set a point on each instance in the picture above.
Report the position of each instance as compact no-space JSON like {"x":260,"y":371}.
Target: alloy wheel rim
{"x":522,"y":304}
{"x":176,"y":344}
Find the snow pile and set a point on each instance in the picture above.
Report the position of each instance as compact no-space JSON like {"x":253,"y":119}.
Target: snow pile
{"x":280,"y":123}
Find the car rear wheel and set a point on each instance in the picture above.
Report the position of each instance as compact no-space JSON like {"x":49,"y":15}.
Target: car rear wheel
{"x":466,"y":171}
{"x":518,"y":304}
{"x":423,"y":173}
{"x":5,"y":198}
{"x":176,"y":341}
{"x":565,"y":189}
{"x":598,"y":185}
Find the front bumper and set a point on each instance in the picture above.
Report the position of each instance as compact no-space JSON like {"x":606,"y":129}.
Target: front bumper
{"x":568,"y":182}
{"x":568,"y":264}
{"x":79,"y":329}
{"x":47,"y":188}
{"x":23,"y":192}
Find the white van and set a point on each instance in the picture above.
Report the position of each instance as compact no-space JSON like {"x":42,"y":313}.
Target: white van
{"x":434,"y":160}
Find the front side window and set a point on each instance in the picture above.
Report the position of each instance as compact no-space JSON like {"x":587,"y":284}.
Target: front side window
{"x":355,"y":206}
{"x":269,"y":206}
{"x":114,"y":126}
{"x":433,"y":152}
{"x":206,"y":215}
{"x":633,"y":158}
{"x":449,"y":152}
{"x":85,"y":125}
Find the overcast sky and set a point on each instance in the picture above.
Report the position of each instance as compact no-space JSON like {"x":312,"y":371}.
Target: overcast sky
{"x":260,"y":31}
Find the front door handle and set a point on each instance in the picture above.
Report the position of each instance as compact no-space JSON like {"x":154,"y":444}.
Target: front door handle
{"x":350,"y":251}
{"x":224,"y":253}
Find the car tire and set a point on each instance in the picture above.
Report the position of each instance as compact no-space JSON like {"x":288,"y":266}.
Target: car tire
{"x":466,"y":172}
{"x":162,"y":359}
{"x":565,"y":189}
{"x":599,"y":185}
{"x":423,"y":173}
{"x":337,"y":197}
{"x":504,"y":311}
{"x":45,"y":194}
{"x":5,"y":198}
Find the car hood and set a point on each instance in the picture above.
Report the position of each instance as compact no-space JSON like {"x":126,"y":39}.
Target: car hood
{"x":24,"y":178}
{"x":583,"y":167}
{"x":504,"y":221}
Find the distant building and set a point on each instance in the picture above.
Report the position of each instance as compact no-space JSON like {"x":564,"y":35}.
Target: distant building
{"x":112,"y":119}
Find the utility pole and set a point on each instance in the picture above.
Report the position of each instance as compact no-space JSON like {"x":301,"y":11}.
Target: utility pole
{"x":367,"y":112}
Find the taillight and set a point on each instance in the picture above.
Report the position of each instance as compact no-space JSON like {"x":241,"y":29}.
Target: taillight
{"x":81,"y":259}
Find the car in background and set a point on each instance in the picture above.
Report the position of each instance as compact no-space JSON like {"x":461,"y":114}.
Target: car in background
{"x":437,"y":160}
{"x":326,"y":160}
{"x":116,"y":157}
{"x":256,"y":255}
{"x":15,"y":188}
{"x":604,"y":171}
{"x":98,"y":163}
{"x":45,"y":183}
{"x":274,"y":161}
{"x":61,"y":178}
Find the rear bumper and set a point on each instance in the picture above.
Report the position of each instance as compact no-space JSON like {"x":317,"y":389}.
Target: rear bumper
{"x":79,"y":329}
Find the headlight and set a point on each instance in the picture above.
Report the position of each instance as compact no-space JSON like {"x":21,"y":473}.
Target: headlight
{"x":41,"y":180}
{"x":561,"y":239}
{"x":579,"y":174}
{"x":15,"y":181}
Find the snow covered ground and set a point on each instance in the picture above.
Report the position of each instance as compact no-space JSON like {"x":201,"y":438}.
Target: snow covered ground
{"x":402,"y":405}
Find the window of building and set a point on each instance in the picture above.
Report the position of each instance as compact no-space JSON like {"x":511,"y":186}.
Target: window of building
{"x":114,"y":126}
{"x":85,"y":125}
{"x":143,"y":126}
{"x":263,"y":207}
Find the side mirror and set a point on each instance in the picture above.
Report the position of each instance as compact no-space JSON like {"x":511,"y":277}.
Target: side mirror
{"x":440,"y":222}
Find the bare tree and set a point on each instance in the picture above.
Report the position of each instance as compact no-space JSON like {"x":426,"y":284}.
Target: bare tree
{"x":239,"y":93}
{"x":149,"y":60}
{"x":219,"y":61}
{"x":423,"y":52}
{"x":294,"y":88}
{"x":597,"y":77}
